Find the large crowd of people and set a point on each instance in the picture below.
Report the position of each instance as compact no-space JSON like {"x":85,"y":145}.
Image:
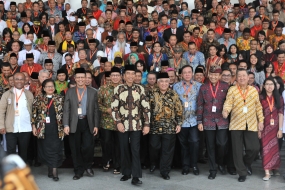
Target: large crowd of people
{"x":158,"y":83}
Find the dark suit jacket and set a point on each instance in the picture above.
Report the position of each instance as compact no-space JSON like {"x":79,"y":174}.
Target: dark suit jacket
{"x":168,"y":32}
{"x":269,"y":33}
{"x":258,"y":53}
{"x":56,"y":29}
{"x":70,"y":114}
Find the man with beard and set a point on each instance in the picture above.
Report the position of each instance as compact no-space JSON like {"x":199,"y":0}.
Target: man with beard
{"x":121,"y":44}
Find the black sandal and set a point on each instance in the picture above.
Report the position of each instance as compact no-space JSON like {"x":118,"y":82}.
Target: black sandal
{"x":106,"y":167}
{"x":116,"y":171}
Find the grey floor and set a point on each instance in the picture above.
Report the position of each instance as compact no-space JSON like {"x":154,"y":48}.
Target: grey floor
{"x":106,"y":180}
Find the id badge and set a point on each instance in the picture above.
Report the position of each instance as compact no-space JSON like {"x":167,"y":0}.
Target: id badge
{"x":244,"y":109}
{"x":271,"y":121}
{"x":186,"y":104}
{"x":47,"y":119}
{"x":157,"y":69}
{"x":214,"y":108}
{"x":79,"y":110}
{"x":9,"y":101}
{"x":17,"y":113}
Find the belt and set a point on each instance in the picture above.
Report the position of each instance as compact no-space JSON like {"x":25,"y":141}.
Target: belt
{"x":82,"y":116}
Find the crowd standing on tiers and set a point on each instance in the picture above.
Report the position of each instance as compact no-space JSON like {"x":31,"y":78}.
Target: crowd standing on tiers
{"x":159,"y":83}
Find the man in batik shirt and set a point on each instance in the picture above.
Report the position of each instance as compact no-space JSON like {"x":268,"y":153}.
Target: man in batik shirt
{"x":110,"y":142}
{"x":166,"y":121}
{"x":129,"y":106}
{"x":210,"y":103}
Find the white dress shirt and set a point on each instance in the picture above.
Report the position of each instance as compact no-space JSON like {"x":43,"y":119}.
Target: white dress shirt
{"x":22,"y":56}
{"x":96,"y":34}
{"x":127,"y":48}
{"x":22,"y":123}
{"x":74,"y":57}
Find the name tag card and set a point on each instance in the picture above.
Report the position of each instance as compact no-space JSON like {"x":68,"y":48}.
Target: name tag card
{"x":271,"y":121}
{"x":244,"y":109}
{"x":17,"y":113}
{"x":186,"y":104}
{"x":79,"y":110}
{"x":214,"y":109}
{"x":47,"y":119}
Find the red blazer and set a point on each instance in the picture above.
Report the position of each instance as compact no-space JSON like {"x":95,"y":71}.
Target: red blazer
{"x":279,"y":70}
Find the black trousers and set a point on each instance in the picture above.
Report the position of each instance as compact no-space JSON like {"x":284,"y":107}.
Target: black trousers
{"x":33,"y":148}
{"x":20,"y":139}
{"x":229,"y":159}
{"x":216,"y":141}
{"x":130,"y":159}
{"x":144,"y":151}
{"x":163,"y":146}
{"x":202,"y":145}
{"x":82,"y":147}
{"x":189,"y":140}
{"x":249,"y":140}
{"x":110,"y":147}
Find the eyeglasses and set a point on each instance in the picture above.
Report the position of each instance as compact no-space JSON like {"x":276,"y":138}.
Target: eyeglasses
{"x":115,"y":75}
{"x":226,"y":75}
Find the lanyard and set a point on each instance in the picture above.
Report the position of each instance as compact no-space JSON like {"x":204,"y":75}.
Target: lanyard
{"x":191,"y":58}
{"x":157,"y":59}
{"x":217,"y":87}
{"x":148,"y":51}
{"x":80,"y":96}
{"x":14,"y":70}
{"x":50,"y":55}
{"x":186,"y":91}
{"x":30,"y":70}
{"x":71,"y":29}
{"x":270,"y":105}
{"x":17,"y":98}
{"x":176,"y":64}
{"x":48,"y":106}
{"x":91,"y":55}
{"x":243,"y":95}
{"x":4,"y":80}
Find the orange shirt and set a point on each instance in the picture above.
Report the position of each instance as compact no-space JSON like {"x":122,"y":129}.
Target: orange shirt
{"x":36,"y":68}
{"x":198,"y":41}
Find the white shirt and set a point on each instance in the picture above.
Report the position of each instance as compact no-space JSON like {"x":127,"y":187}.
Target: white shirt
{"x":74,"y":57}
{"x":109,"y":54}
{"x":3,"y":25}
{"x":22,"y":123}
{"x":127,"y":48}
{"x":22,"y":56}
{"x":23,"y":37}
{"x":96,"y":34}
{"x":6,"y":5}
{"x":237,"y":25}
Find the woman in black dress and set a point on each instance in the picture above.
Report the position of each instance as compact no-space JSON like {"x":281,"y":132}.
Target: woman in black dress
{"x":47,"y":126}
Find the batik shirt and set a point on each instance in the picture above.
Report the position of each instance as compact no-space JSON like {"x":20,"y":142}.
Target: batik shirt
{"x":129,"y":104}
{"x":105,"y":95}
{"x":166,"y":112}
{"x":189,"y":111}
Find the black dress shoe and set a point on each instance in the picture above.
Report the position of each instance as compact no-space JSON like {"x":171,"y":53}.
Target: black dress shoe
{"x":222,"y":170}
{"x":136,"y":181}
{"x":212,"y":176}
{"x":165,"y":176}
{"x":125,"y":178}
{"x":249,"y":170}
{"x":195,"y":171}
{"x":152,"y":169}
{"x":241,"y":178}
{"x":185,"y":171}
{"x":77,"y":177}
{"x":90,"y":172}
{"x":55,"y":178}
{"x":232,"y":171}
{"x":202,"y":161}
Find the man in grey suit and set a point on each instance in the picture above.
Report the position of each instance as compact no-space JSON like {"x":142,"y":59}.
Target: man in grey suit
{"x":81,"y":121}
